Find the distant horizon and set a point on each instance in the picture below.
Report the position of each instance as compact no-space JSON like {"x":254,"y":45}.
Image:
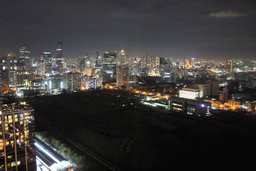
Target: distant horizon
{"x":53,"y":53}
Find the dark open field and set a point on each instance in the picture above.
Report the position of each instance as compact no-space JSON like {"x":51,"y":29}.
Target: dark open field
{"x":137,"y":139}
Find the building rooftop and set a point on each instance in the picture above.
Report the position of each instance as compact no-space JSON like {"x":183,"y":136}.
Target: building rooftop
{"x":190,"y":89}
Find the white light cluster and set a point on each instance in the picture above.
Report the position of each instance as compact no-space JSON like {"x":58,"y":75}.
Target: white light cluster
{"x":188,"y":94}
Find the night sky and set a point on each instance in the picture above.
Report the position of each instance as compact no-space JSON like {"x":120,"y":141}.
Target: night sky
{"x":222,"y":29}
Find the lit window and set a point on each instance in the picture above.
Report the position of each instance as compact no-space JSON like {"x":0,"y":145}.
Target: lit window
{"x":13,"y":164}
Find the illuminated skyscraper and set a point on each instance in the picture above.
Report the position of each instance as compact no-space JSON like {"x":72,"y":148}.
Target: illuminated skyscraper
{"x":122,"y":74}
{"x":59,"y":50}
{"x":72,"y":81}
{"x":109,"y":62}
{"x":17,"y":141}
{"x":98,"y":60}
{"x":24,"y":60}
{"x":122,"y":57}
{"x":46,"y":56}
{"x":9,"y":65}
{"x":58,"y":62}
{"x":147,"y":58}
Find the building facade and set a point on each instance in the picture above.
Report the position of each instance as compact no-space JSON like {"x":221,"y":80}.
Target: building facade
{"x":109,"y":62}
{"x":189,"y":106}
{"x":190,"y":93}
{"x":17,"y":141}
{"x":122,"y":73}
{"x":72,"y":81}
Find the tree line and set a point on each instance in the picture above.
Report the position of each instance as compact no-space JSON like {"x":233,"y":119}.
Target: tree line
{"x":63,"y":149}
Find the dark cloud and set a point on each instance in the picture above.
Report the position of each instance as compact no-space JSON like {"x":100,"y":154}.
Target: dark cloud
{"x":226,"y":14}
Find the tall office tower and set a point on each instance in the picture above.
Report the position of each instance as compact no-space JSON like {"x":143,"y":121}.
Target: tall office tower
{"x":109,"y":62}
{"x":187,"y":64}
{"x":40,"y":69}
{"x":151,"y":66}
{"x":12,"y":64}
{"x":17,"y":141}
{"x":122,"y":57}
{"x":88,"y":62}
{"x":25,"y":77}
{"x":223,"y":94}
{"x":192,"y":62}
{"x":91,"y":83}
{"x":166,"y":72}
{"x":147,"y":58}
{"x":8,"y":66}
{"x":72,"y":81}
{"x":24,"y":53}
{"x":135,"y":67}
{"x":231,"y":69}
{"x":59,"y":50}
{"x":157,"y":66}
{"x":59,"y":60}
{"x":98,"y":60}
{"x":121,"y":75}
{"x":24,"y":59}
{"x":46,"y":57}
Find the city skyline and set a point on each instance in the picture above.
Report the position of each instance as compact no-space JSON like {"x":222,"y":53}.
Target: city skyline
{"x":211,"y":30}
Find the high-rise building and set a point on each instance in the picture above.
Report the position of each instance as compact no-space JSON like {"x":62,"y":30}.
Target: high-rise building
{"x":24,"y":78}
{"x":121,"y":74}
{"x":147,"y":58}
{"x":41,"y":69}
{"x":72,"y":81}
{"x":98,"y":60}
{"x":223,"y":94}
{"x":122,"y":57}
{"x":9,"y":65}
{"x":109,"y":62}
{"x":91,"y":83}
{"x":59,"y":50}
{"x":58,"y":62}
{"x":24,"y":58}
{"x":46,"y":56}
{"x":17,"y":141}
{"x":192,"y":62}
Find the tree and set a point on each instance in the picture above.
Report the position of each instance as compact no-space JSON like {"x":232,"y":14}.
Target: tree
{"x":74,"y":157}
{"x":44,"y":133}
{"x":62,"y":148}
{"x":51,"y":140}
{"x":57,"y":143}
{"x":67,"y":152}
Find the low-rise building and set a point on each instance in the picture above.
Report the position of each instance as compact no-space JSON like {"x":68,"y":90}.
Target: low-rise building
{"x":190,"y":93}
{"x":189,"y":106}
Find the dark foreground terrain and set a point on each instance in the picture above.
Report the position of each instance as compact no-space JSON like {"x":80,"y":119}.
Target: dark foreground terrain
{"x":136,"y":138}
